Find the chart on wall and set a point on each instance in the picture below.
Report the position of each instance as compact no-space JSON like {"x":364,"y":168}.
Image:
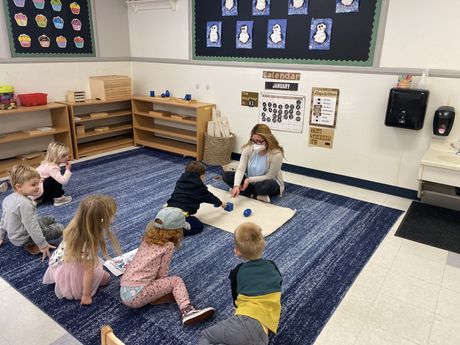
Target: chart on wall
{"x":40,"y":28}
{"x":334,"y":32}
{"x":282,"y":112}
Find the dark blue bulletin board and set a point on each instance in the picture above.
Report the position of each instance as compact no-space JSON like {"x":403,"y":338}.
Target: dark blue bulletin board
{"x":327,"y":32}
{"x":41,"y":28}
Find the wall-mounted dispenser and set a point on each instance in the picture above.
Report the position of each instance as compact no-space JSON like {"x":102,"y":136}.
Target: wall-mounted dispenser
{"x":443,"y":120}
{"x":406,"y":108}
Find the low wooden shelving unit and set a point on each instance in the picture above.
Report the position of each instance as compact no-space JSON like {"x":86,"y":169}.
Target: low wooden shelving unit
{"x":171,"y":124}
{"x":60,"y":131}
{"x":100,"y":126}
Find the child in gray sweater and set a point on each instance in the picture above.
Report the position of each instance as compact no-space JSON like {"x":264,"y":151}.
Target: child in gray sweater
{"x":19,"y":216}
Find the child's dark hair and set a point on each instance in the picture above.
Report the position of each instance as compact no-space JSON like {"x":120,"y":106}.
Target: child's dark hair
{"x":195,"y":167}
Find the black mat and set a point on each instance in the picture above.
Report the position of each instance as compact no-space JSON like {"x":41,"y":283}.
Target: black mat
{"x":432,"y":225}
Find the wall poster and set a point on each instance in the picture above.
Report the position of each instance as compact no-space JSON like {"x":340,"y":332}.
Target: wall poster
{"x":42,"y":28}
{"x":282,"y":112}
{"x":324,"y":104}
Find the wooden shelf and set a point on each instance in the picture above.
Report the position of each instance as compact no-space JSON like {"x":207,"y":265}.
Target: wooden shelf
{"x":22,"y":109}
{"x":188,"y":121}
{"x":113,"y":129}
{"x":20,"y":136}
{"x":6,"y":164}
{"x":111,"y":114}
{"x":178,"y":102}
{"x":104,"y":145}
{"x":93,"y":102}
{"x":170,"y":131}
{"x":169,"y":145}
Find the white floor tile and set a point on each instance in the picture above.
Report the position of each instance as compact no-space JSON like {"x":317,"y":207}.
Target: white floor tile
{"x":387,"y":251}
{"x":423,"y":251}
{"x":372,"y":276}
{"x":449,"y":304}
{"x":3,"y":285}
{"x":371,"y":335}
{"x":451,"y":278}
{"x":445,"y":332}
{"x":3,"y":340}
{"x":418,"y":267}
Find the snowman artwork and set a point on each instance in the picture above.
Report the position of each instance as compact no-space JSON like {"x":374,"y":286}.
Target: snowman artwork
{"x":213,"y":34}
{"x":297,"y":3}
{"x":229,"y":4}
{"x":276,"y":35}
{"x":243,"y":36}
{"x":261,"y":5}
{"x":320,"y":36}
{"x":347,"y":2}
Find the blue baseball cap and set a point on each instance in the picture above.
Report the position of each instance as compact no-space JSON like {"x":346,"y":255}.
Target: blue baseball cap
{"x":172,"y":218}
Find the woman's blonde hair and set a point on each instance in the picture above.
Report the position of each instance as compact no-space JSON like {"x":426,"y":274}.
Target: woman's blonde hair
{"x":55,"y":152}
{"x":154,"y":235}
{"x":84,"y":235}
{"x":249,"y":241}
{"x":265,"y":132}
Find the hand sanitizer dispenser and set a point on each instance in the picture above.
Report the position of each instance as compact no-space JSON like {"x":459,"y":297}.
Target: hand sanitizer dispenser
{"x":443,"y":120}
{"x":406,"y":108}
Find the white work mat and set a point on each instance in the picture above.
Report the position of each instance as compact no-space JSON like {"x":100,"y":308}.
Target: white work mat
{"x":268,"y":216}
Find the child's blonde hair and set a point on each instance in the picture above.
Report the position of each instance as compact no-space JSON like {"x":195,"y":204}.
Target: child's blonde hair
{"x":55,"y":152}
{"x":249,"y":241}
{"x":154,"y":235}
{"x":85,"y":233}
{"x":21,"y":173}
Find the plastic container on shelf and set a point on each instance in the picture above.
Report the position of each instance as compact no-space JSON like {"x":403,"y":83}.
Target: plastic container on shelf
{"x":32,"y":99}
{"x":7,"y":97}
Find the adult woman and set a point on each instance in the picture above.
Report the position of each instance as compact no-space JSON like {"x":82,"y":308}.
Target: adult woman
{"x":259,"y":171}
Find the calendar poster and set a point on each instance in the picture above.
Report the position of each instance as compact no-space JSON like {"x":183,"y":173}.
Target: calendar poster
{"x":324,"y":104}
{"x":282,"y":112}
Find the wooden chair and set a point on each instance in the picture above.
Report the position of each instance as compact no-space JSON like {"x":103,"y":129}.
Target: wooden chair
{"x":108,"y":337}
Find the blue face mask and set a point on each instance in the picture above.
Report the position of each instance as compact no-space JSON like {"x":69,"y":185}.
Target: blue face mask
{"x":258,"y":147}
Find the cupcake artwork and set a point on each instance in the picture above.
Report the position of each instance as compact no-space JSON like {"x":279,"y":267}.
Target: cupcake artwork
{"x":39,"y":4}
{"x":56,"y":5}
{"x":61,"y":41}
{"x":21,"y":19}
{"x":19,"y":3}
{"x":58,"y":22}
{"x":213,"y":36}
{"x":74,"y":8}
{"x":44,"y":41}
{"x":276,"y":33}
{"x":79,"y":42}
{"x":41,"y":20}
{"x":76,"y":24}
{"x":24,"y":40}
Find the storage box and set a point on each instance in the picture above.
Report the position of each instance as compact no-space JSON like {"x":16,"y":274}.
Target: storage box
{"x":80,"y":130}
{"x":110,"y":87}
{"x":7,"y":98}
{"x":32,"y":99}
{"x":76,"y":96}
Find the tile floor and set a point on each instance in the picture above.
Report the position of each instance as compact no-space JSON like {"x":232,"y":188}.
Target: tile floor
{"x":407,"y":294}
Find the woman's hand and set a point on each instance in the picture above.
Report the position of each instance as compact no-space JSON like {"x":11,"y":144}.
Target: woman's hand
{"x":235,"y":191}
{"x":245,"y":184}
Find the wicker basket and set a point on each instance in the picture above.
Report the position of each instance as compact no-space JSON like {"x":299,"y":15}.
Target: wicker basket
{"x":217,"y":150}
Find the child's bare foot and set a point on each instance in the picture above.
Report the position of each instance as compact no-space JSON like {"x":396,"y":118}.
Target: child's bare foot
{"x":165,"y":299}
{"x":32,"y":249}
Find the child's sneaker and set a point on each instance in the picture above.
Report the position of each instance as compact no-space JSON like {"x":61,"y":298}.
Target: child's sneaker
{"x":264,"y":198}
{"x":191,"y":316}
{"x":165,"y":299}
{"x":3,"y":187}
{"x":187,"y":226}
{"x":32,"y":249}
{"x":65,"y":199}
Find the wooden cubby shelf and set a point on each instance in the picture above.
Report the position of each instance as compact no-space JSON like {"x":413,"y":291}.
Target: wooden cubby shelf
{"x":171,"y":124}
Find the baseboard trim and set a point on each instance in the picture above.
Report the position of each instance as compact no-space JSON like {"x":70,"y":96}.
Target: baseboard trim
{"x":351,"y":181}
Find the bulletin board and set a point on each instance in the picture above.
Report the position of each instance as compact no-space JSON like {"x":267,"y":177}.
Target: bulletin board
{"x":283,"y":32}
{"x":41,"y":28}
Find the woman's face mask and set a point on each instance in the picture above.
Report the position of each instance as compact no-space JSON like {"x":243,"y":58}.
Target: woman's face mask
{"x":259,"y":147}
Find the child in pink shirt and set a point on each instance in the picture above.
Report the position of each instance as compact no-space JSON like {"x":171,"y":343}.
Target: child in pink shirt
{"x":51,"y":176}
{"x":146,"y":278}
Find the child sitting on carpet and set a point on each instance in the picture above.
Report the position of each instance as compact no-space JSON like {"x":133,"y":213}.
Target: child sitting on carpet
{"x":256,"y":291}
{"x":146,"y":278}
{"x":19,"y":217}
{"x":189,"y":193}
{"x":51,"y":176}
{"x":75,"y":267}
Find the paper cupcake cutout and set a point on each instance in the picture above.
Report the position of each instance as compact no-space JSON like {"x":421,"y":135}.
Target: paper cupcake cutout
{"x":24,"y":40}
{"x":41,"y":20}
{"x":21,"y":19}
{"x":346,"y":6}
{"x":44,"y":41}
{"x":244,"y":34}
{"x":297,"y":7}
{"x":229,"y":8}
{"x":320,"y":34}
{"x":276,"y":33}
{"x":56,"y":5}
{"x":19,"y":3}
{"x":213,"y":36}
{"x":39,"y":4}
{"x":76,"y":24}
{"x":58,"y":22}
{"x":260,"y":7}
{"x":75,"y":8}
{"x":61,"y":41}
{"x":79,"y":42}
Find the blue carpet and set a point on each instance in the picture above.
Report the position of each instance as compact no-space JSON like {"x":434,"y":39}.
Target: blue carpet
{"x":319,"y":252}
